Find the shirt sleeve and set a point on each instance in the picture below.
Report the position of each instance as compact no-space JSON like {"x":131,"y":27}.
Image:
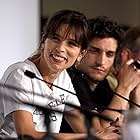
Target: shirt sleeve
{"x":16,"y":98}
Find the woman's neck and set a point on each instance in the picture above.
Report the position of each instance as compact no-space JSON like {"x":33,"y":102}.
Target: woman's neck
{"x":45,"y":72}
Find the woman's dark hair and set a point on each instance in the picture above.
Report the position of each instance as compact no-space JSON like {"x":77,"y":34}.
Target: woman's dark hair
{"x":76,"y":24}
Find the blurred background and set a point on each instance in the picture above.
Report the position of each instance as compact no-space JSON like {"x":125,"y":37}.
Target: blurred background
{"x":124,"y":11}
{"x":22,"y":20}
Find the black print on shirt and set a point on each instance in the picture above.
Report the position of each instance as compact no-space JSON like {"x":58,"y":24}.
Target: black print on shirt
{"x":55,"y":103}
{"x":52,"y":104}
{"x":58,"y":102}
{"x":53,"y":116}
{"x":38,"y":112}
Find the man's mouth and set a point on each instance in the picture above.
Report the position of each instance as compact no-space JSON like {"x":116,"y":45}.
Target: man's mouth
{"x":99,"y":69}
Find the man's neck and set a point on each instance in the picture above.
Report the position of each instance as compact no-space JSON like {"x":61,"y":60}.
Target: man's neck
{"x":92,"y":84}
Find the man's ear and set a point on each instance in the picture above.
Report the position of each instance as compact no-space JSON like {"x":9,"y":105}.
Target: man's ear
{"x":126,"y":55}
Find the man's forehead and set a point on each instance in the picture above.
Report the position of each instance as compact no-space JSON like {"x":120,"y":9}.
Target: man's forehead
{"x":104,"y":43}
{"x":94,"y":46}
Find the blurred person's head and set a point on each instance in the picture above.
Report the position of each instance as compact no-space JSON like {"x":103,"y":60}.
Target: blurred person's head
{"x":129,"y":47}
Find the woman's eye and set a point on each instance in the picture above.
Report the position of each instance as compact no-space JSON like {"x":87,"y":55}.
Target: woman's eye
{"x":72,"y":43}
{"x":56,"y":39}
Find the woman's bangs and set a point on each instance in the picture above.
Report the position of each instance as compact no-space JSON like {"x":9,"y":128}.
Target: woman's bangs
{"x":73,"y":32}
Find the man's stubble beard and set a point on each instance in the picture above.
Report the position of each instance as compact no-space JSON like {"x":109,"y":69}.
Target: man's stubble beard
{"x":96,"y":81}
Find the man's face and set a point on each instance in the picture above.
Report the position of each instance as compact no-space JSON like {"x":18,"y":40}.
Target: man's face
{"x":99,"y":58}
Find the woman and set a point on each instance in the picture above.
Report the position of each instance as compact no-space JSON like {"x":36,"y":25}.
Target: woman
{"x":64,"y":41}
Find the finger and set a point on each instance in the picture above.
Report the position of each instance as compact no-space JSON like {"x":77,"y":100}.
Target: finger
{"x":115,"y":123}
{"x":133,"y":64}
{"x":135,"y":68}
{"x":130,"y":61}
{"x":137,"y":64}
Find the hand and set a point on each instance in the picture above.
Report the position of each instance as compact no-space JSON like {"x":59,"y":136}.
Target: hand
{"x":135,"y":95}
{"x":128,"y":78}
{"x":119,"y":122}
{"x":109,"y":133}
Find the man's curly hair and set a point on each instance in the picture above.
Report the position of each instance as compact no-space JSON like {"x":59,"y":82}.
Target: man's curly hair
{"x":104,"y":27}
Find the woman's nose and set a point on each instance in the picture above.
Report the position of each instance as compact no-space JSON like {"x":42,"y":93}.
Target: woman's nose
{"x":61,"y":46}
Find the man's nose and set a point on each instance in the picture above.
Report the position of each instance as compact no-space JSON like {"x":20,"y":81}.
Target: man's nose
{"x":101,"y":59}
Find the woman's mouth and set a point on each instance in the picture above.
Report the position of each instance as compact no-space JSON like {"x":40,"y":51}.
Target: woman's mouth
{"x":58,"y":58}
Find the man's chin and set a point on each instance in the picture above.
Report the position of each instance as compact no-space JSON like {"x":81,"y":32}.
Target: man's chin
{"x":97,"y":79}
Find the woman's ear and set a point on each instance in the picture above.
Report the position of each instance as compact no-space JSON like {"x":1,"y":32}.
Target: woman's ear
{"x":42,"y":41}
{"x":43,"y":38}
{"x":81,"y":55}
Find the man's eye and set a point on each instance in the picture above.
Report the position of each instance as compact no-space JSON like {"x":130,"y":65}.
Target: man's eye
{"x":92,"y":50}
{"x":110,"y":54}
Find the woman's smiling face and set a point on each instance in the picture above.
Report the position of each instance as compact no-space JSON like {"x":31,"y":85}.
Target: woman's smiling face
{"x":61,"y":50}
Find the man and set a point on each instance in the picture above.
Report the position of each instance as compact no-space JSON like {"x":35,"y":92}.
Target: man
{"x":96,"y":64}
{"x":93,"y":89}
{"x":88,"y":75}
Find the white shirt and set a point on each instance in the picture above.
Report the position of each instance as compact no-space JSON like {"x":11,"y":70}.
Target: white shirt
{"x":36,"y":92}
